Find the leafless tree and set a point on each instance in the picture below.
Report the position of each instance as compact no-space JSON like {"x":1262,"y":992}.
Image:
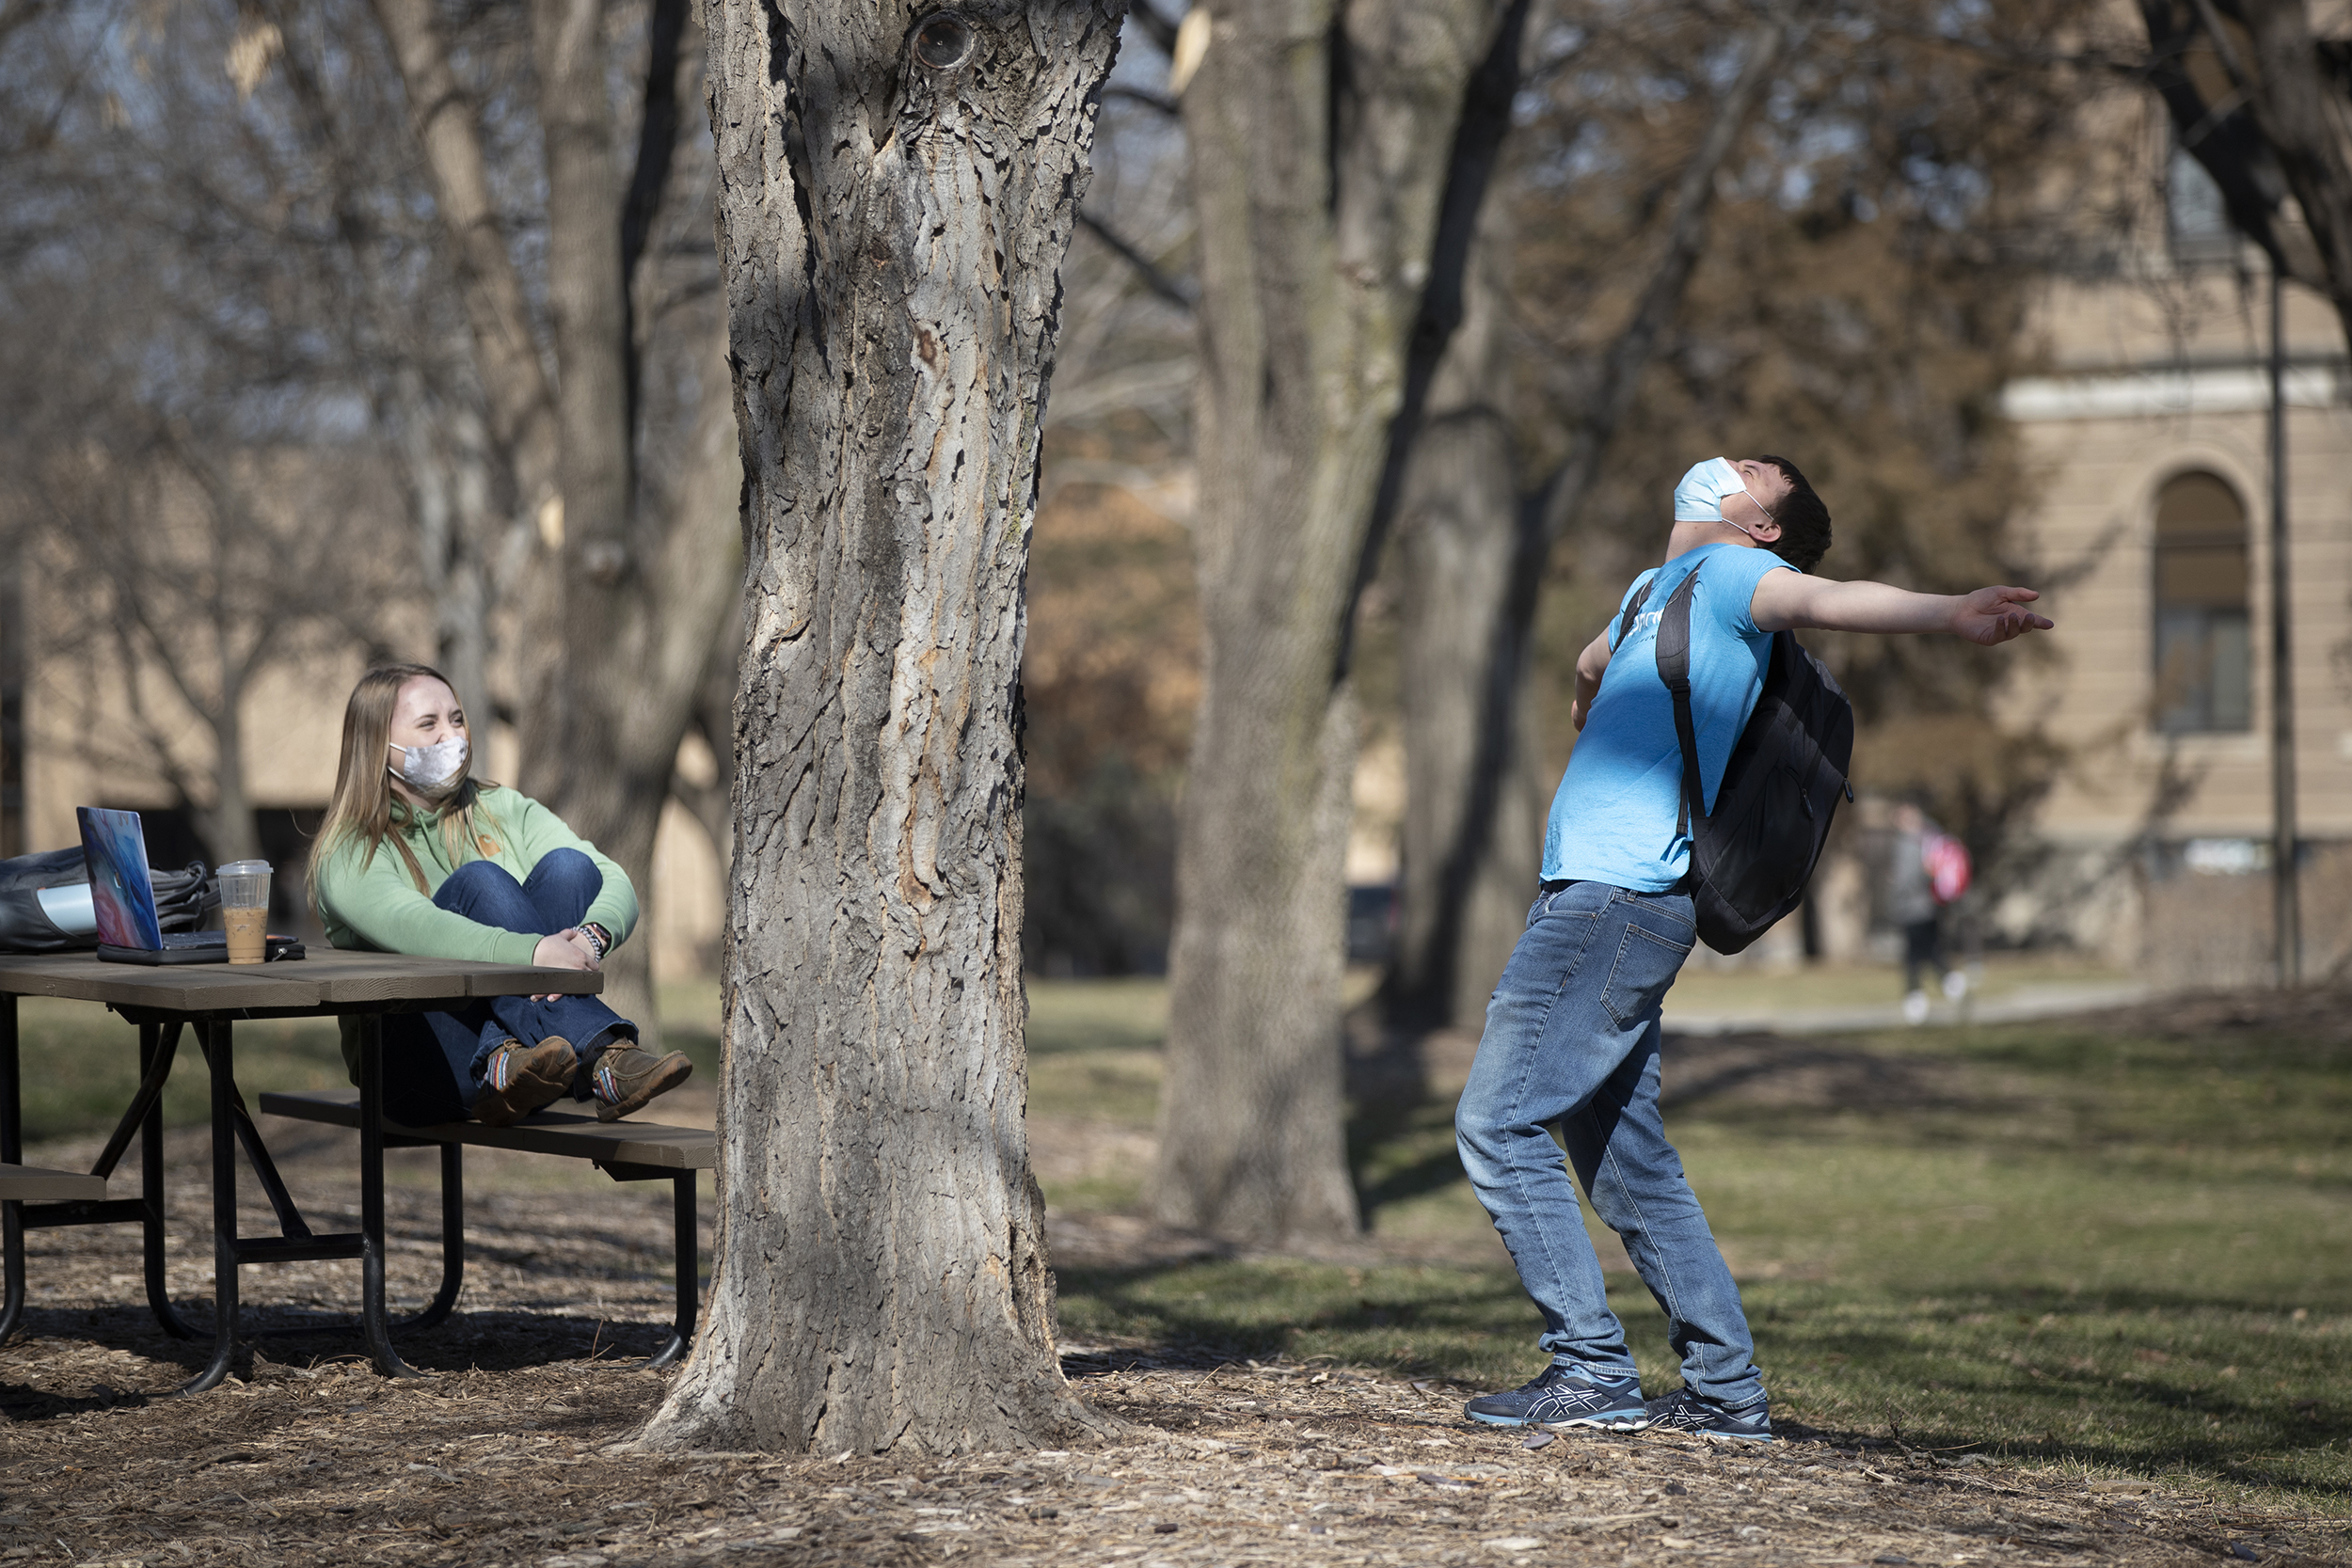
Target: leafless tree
{"x":599,"y":373}
{"x":1320,"y":139}
{"x":897,"y":190}
{"x":190,"y":456}
{"x":2261,"y":98}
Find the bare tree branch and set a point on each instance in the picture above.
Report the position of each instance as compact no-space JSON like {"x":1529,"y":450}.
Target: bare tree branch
{"x":1183,"y":295}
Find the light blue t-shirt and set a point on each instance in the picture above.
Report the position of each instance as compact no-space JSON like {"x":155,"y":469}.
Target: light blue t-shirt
{"x":1613,"y":819}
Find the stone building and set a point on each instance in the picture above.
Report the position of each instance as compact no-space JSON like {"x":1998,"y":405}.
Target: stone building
{"x":2149,"y":427}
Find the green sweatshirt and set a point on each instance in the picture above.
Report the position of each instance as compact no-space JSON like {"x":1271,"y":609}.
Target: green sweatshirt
{"x":372,"y":903}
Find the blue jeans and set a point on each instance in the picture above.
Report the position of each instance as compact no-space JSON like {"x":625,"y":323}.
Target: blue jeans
{"x":1572,"y":1038}
{"x":433,"y":1062}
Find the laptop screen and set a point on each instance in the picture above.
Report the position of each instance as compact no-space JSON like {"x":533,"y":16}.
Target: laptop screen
{"x":114,"y":846}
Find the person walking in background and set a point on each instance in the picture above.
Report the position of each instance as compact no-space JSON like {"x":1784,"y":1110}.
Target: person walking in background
{"x":1922,"y":867}
{"x":417,"y":856}
{"x":1572,"y":1032}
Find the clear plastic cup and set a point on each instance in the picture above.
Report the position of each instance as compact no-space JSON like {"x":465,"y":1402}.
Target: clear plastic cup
{"x":245,"y":909}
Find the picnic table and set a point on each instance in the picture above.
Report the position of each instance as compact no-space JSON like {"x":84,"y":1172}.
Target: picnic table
{"x":210,"y":998}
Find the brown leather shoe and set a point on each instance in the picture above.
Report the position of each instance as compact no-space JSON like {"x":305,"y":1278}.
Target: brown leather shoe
{"x":628,"y":1076}
{"x":519,"y":1079}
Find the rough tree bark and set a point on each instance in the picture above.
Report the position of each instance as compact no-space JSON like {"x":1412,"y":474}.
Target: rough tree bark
{"x":1319,"y":138}
{"x":896,"y":192}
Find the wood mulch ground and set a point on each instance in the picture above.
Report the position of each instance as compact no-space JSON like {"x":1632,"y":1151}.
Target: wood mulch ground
{"x":514,"y":1450}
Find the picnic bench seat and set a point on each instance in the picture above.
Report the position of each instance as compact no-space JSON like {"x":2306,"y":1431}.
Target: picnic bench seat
{"x":32,"y":1184}
{"x":624,"y":1150}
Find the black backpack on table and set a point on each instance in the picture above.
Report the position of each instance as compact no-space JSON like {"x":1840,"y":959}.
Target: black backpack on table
{"x":1752,"y":856}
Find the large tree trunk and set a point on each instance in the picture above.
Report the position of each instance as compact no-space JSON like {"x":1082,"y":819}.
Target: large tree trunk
{"x":895,"y":204}
{"x":1319,"y":152}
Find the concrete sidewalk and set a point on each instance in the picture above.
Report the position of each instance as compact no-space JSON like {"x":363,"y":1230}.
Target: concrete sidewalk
{"x":2018,"y":1005}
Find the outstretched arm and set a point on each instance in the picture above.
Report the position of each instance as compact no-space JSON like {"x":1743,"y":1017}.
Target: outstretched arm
{"x":1790,"y":601}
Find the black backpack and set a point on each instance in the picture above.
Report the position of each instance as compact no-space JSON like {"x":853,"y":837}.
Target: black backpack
{"x":1752,"y":856}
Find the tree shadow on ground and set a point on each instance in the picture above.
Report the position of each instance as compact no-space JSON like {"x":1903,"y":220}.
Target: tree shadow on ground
{"x":1395,"y":1074}
{"x":1781,"y":1073}
{"x":1202,"y":1329}
{"x":109,"y":1357}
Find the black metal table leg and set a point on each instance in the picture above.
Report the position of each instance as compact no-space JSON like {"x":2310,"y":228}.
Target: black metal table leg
{"x":158,"y":1044}
{"x":387,"y":1361}
{"x":12,"y":1153}
{"x":688,"y":1275}
{"x":453,"y":1240}
{"x":217,"y":1040}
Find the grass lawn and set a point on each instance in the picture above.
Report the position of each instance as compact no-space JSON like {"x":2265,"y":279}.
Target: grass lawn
{"x":2098,"y":1248}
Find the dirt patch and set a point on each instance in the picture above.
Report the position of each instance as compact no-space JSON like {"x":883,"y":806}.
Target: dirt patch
{"x":514,"y":1450}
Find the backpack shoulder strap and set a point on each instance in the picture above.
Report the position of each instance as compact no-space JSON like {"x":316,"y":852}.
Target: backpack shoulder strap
{"x":1673,"y":668}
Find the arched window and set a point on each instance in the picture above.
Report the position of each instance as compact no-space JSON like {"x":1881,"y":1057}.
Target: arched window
{"x":2204,"y":676}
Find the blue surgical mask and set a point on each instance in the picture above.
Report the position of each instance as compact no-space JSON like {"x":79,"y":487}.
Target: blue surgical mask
{"x":1700,"y":497}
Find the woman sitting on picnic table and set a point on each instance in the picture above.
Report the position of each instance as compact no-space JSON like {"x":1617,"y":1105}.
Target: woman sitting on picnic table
{"x":416,"y":856}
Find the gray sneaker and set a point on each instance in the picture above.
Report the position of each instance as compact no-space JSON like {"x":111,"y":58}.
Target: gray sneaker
{"x":1685,"y":1411}
{"x":1564,"y":1397}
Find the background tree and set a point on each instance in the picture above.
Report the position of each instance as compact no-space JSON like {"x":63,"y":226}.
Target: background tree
{"x":2263,"y":100}
{"x":896,"y":192}
{"x":1320,"y":140}
{"x":1475,"y":548}
{"x":634,"y":559}
{"x":193,"y":474}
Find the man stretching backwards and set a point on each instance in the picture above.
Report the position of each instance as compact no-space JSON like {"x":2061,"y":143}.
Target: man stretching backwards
{"x":1572,"y":1032}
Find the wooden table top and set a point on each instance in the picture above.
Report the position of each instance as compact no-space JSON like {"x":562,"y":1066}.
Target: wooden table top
{"x":328,"y":980}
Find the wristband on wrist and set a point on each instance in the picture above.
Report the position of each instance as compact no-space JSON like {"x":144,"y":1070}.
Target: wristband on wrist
{"x":599,"y":935}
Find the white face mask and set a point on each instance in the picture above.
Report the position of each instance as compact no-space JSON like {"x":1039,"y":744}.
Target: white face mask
{"x":1700,"y":497}
{"x":433,"y":770}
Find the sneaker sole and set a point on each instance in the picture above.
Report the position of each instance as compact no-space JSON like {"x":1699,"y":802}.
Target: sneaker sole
{"x":1607,"y":1423}
{"x":1496,"y":1420}
{"x":1596,"y":1423}
{"x":668,"y":1074}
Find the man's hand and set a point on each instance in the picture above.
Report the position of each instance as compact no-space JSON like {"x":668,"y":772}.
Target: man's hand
{"x":1992,"y":615}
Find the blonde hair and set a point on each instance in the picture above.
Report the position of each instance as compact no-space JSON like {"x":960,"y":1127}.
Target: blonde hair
{"x":362,"y":812}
